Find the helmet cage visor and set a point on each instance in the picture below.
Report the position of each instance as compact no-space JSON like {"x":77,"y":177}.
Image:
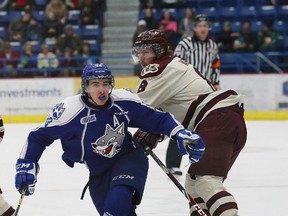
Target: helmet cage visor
{"x":157,"y":49}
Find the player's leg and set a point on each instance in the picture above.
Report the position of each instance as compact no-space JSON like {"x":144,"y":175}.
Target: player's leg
{"x":119,"y":201}
{"x":224,"y":133}
{"x":5,"y":208}
{"x":190,"y":188}
{"x":128,"y":177}
{"x":173,"y":160}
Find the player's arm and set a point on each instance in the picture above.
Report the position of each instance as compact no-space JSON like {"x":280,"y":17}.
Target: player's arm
{"x":27,"y":167}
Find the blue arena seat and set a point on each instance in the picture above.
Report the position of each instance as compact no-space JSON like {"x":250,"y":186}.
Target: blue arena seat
{"x":247,"y":13}
{"x":39,"y":15}
{"x":91,"y":32}
{"x":3,"y":33}
{"x":4,"y":18}
{"x":256,"y":25}
{"x":283,"y":12}
{"x":17,"y":46}
{"x":211,"y":12}
{"x":40,"y":4}
{"x":236,"y":26}
{"x":267,"y":12}
{"x":73,"y":16}
{"x":227,"y":14}
{"x":14,"y":15}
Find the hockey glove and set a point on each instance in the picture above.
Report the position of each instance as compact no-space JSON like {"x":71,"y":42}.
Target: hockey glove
{"x":26,"y":175}
{"x":190,"y":143}
{"x":147,"y":139}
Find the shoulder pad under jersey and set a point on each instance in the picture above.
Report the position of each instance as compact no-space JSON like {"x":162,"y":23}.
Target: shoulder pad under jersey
{"x":65,"y":111}
{"x":125,"y":94}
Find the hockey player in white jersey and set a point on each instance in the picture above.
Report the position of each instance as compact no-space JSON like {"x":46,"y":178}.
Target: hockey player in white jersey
{"x":171,"y":84}
{"x":5,"y":208}
{"x":93,"y":129}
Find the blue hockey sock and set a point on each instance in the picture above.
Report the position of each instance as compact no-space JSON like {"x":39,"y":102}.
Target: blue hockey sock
{"x":119,"y":201}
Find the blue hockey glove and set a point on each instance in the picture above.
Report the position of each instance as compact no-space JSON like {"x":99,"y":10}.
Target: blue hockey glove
{"x":190,"y":143}
{"x":26,"y":175}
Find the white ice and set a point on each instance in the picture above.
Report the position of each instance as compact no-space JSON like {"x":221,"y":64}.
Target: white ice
{"x":258,"y":180}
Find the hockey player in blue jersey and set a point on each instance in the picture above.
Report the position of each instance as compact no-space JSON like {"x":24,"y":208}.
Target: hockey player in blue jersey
{"x":93,"y":129}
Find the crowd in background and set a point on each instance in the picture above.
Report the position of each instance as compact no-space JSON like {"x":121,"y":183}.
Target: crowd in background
{"x":50,"y":43}
{"x":228,"y":40}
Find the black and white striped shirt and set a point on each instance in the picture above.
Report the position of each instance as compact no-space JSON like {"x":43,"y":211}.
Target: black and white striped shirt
{"x":203,"y":55}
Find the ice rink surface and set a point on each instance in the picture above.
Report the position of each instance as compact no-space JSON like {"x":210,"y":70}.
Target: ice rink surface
{"x":258,"y":180}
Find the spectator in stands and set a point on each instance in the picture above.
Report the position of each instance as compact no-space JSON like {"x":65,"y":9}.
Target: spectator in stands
{"x":27,"y":60}
{"x":226,"y":37}
{"x":268,"y":38}
{"x":22,"y":5}
{"x":68,"y":64}
{"x":89,"y":12}
{"x":9,"y":60}
{"x":52,"y":27}
{"x":247,"y":39}
{"x":141,"y":27}
{"x":151,"y":22}
{"x":169,"y":22}
{"x":34,"y":31}
{"x":59,"y":9}
{"x":86,"y":54}
{"x":170,"y":35}
{"x":46,"y":61}
{"x":68,"y":40}
{"x":17,"y":28}
{"x":187,"y":23}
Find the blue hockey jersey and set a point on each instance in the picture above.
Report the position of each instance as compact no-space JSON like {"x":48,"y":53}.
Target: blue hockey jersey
{"x":97,"y":137}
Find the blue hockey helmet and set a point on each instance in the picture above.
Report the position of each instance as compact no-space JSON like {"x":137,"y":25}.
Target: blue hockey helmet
{"x":96,"y":71}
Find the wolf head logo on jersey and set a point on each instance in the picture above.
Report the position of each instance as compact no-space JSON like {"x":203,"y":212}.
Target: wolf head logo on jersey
{"x":109,"y":144}
{"x":56,"y":113}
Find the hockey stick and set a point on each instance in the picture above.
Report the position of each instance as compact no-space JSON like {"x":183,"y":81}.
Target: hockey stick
{"x":192,"y":202}
{"x":20,"y":201}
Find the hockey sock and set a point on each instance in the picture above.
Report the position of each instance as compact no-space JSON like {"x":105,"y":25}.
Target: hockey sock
{"x":218,"y":201}
{"x":119,"y":201}
{"x":4,"y":206}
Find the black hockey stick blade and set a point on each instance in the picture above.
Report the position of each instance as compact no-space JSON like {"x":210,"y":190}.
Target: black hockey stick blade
{"x":192,"y":202}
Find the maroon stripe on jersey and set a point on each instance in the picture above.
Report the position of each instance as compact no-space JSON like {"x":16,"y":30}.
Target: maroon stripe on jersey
{"x":192,"y":109}
{"x":212,"y":103}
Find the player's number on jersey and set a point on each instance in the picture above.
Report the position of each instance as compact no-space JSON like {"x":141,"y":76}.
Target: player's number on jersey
{"x":142,"y":86}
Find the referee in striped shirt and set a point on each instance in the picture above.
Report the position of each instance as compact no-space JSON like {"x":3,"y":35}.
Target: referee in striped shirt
{"x":202,"y":53}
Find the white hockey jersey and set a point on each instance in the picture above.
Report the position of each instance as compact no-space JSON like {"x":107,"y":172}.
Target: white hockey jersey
{"x":173,"y":85}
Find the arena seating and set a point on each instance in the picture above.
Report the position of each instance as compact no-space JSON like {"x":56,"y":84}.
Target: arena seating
{"x":236,"y":12}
